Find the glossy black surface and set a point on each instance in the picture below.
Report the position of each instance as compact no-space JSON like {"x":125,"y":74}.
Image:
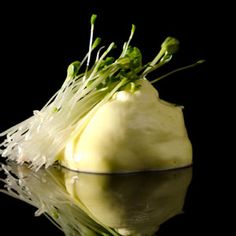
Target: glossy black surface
{"x":127,"y":204}
{"x":39,"y":41}
{"x":201,"y":209}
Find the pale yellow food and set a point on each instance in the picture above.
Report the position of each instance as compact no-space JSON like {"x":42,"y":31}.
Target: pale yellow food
{"x":107,"y":118}
{"x":132,"y":132}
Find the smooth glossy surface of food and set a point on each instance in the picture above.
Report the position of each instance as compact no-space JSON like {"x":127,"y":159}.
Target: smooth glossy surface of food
{"x":132,"y":132}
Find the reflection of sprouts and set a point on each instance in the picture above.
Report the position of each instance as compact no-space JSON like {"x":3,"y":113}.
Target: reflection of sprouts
{"x":91,"y":205}
{"x":65,"y":212}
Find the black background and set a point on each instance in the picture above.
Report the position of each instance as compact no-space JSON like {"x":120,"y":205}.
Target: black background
{"x":39,"y":40}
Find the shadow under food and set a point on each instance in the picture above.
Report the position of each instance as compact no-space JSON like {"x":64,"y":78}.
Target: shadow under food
{"x":96,"y":204}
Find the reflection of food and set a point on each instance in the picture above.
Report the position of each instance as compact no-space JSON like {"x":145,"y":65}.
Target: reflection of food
{"x":136,"y":203}
{"x":88,"y":204}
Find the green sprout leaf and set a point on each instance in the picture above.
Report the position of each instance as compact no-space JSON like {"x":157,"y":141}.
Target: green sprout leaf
{"x":73,"y":69}
{"x":93,"y":19}
{"x":170,"y":45}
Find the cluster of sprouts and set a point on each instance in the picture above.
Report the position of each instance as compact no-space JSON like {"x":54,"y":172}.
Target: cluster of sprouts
{"x":41,"y":138}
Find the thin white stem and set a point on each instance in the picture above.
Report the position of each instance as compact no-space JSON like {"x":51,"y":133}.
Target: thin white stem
{"x":177,"y":70}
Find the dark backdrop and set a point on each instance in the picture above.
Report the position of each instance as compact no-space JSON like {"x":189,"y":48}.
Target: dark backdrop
{"x":38,"y":41}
